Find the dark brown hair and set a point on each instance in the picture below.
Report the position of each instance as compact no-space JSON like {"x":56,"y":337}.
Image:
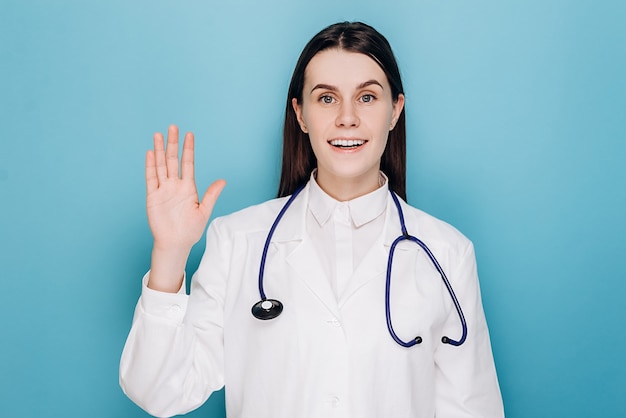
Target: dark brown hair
{"x":298,"y":158}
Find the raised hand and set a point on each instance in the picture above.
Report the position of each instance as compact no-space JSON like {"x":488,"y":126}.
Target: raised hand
{"x":176,"y":216}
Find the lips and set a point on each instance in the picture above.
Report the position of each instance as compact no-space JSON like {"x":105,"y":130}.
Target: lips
{"x":347,"y":143}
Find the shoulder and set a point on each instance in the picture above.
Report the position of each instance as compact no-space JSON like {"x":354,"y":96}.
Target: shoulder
{"x":251,"y":219}
{"x":432,"y":229}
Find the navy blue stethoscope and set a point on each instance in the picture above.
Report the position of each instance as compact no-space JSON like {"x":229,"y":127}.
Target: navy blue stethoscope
{"x":271,"y":308}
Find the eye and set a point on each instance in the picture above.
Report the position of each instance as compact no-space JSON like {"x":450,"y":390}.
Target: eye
{"x":367,"y":98}
{"x":326,"y":99}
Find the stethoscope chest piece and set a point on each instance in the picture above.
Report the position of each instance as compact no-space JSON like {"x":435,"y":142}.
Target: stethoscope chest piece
{"x":267,"y":309}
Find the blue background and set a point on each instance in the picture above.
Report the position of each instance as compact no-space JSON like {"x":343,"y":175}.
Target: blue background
{"x":517,"y":136}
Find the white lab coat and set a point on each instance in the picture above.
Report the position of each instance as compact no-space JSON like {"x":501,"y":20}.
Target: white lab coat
{"x":322,"y":357}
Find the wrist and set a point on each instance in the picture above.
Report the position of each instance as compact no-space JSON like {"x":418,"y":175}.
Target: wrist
{"x":167,"y":269}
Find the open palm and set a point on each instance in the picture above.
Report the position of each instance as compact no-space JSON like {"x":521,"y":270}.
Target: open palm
{"x":176,"y":216}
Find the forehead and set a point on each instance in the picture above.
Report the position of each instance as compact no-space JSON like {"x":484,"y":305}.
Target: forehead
{"x":341,"y":68}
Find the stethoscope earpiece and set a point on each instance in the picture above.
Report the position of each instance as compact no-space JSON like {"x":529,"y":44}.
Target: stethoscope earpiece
{"x":267,"y":309}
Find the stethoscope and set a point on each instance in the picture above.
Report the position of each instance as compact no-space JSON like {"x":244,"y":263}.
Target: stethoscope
{"x":271,"y":308}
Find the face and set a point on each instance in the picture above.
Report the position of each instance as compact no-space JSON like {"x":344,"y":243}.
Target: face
{"x":347,"y":110}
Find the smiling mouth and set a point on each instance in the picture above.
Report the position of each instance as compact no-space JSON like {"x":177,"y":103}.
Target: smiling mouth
{"x":347,"y":143}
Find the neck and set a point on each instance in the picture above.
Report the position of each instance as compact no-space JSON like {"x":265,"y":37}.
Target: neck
{"x":344,"y":189}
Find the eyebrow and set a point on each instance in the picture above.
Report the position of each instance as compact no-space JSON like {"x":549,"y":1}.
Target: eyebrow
{"x":360,"y":86}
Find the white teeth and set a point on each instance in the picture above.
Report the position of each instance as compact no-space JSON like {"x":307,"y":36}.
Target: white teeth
{"x":347,"y":142}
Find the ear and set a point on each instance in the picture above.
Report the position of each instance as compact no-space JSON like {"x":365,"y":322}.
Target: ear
{"x":398,"y":105}
{"x":298,"y":109}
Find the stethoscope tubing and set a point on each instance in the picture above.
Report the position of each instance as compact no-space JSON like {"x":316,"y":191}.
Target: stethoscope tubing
{"x":268,"y":240}
{"x":270,"y":308}
{"x":406,"y":236}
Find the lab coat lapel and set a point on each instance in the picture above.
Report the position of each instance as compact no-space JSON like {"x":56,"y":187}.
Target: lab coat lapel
{"x":304,"y":260}
{"x":372,"y":266}
{"x":300,"y":254}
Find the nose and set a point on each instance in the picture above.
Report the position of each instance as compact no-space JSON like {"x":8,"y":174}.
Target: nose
{"x":347,"y":116}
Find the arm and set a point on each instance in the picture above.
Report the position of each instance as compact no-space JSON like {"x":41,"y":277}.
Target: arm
{"x":466,"y":381}
{"x":166,"y":367}
{"x":176,"y":217}
{"x":174,"y":355}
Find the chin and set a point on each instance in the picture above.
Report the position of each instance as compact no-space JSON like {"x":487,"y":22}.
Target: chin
{"x":353,"y":174}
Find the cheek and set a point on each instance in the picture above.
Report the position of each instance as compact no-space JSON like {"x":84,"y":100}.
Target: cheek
{"x":317,"y":122}
{"x":378,"y":121}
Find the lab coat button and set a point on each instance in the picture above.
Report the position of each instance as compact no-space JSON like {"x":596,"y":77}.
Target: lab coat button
{"x":334,"y":402}
{"x":334,"y":322}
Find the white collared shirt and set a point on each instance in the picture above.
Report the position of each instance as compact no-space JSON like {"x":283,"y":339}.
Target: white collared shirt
{"x":343,"y":232}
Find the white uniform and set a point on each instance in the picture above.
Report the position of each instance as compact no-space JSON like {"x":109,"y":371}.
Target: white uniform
{"x":324,"y":356}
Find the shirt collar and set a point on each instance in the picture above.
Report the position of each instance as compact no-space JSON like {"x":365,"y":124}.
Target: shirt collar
{"x":363,"y":209}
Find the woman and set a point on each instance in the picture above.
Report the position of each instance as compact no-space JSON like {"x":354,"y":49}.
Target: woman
{"x":329,"y":353}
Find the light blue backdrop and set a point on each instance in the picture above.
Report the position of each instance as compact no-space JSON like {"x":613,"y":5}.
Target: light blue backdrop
{"x":517,"y":136}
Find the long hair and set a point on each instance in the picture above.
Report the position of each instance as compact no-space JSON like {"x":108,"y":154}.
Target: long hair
{"x":298,"y":158}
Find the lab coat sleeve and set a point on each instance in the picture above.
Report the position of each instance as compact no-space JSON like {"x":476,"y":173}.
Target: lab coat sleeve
{"x":173,"y":357}
{"x":466,"y":381}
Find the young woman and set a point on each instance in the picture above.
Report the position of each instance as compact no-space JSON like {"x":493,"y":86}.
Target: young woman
{"x":335,"y":300}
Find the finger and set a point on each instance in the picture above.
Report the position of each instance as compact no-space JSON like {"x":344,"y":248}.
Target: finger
{"x":187,"y":164}
{"x":210,"y":196}
{"x":152,"y":181}
{"x":171,"y":153}
{"x":159,"y":157}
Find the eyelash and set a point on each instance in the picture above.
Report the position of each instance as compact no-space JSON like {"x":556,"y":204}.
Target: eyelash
{"x":370,"y":97}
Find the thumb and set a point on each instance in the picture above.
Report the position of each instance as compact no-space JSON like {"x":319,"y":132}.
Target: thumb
{"x":210,"y":196}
